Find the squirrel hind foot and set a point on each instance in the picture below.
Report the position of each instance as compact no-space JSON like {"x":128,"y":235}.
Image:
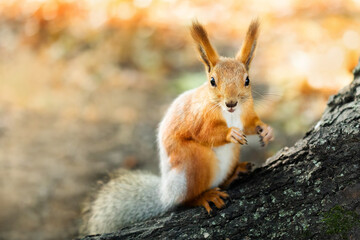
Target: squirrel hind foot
{"x":240,"y":168}
{"x":244,"y":167}
{"x":213,"y":195}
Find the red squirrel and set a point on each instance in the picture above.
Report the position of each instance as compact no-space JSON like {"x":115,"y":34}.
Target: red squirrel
{"x":199,"y":143}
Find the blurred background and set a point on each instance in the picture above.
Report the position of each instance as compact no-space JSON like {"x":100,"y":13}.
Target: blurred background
{"x":84,"y":84}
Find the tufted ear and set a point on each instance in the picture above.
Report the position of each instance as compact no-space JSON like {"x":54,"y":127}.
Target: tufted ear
{"x":207,"y":53}
{"x":246,"y":53}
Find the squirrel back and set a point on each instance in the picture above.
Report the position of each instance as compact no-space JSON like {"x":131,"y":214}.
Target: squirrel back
{"x":129,"y":197}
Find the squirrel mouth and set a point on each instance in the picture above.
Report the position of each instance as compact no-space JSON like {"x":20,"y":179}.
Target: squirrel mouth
{"x":231,"y":110}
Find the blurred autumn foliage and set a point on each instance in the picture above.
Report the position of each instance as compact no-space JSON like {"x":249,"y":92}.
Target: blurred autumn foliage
{"x":83,"y":85}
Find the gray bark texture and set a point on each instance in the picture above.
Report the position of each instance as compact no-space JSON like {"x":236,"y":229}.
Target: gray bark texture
{"x":308,"y":191}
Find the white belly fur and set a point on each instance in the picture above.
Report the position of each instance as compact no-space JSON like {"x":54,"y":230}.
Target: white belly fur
{"x":225,"y":153}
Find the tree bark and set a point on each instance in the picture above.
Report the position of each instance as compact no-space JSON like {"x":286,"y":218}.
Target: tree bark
{"x":308,"y":191}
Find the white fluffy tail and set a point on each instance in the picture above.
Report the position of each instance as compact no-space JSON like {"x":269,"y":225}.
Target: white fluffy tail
{"x":129,"y":197}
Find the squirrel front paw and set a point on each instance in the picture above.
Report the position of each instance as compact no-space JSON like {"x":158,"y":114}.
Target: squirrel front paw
{"x":265,"y":133}
{"x":235,"y":135}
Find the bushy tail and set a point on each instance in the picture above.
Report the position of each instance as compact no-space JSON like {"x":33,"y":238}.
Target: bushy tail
{"x":129,"y":197}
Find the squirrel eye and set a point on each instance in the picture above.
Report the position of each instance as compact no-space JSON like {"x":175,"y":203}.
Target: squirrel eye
{"x":247,"y":81}
{"x":212,"y":82}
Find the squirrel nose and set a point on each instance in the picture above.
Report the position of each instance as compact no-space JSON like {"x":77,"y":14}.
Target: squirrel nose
{"x":231,"y":104}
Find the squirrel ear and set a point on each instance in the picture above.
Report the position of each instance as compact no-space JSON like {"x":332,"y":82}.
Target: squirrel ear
{"x":246,"y":52}
{"x":207,"y":53}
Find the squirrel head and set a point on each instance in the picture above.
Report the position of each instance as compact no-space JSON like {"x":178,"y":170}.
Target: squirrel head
{"x":228,"y":79}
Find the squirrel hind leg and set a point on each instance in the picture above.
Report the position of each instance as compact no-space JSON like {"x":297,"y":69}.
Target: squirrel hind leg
{"x":240,"y":168}
{"x":213,"y":195}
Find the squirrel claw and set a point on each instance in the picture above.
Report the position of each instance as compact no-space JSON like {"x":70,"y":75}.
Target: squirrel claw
{"x":241,"y":168}
{"x":235,"y":135}
{"x":265,"y":133}
{"x":213,"y":195}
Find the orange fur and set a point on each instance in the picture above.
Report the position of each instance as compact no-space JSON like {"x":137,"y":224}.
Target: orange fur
{"x":195,"y":123}
{"x":241,"y":167}
{"x":214,"y":195}
{"x":246,"y":52}
{"x":250,"y":119}
{"x":207,"y":53}
{"x":190,"y":137}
